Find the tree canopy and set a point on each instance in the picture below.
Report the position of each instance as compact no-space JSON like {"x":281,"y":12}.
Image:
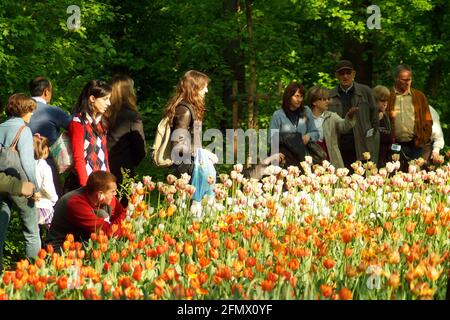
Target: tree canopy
{"x":260,"y":45}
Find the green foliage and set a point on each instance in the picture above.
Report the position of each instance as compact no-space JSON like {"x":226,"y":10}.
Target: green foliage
{"x":14,"y":249}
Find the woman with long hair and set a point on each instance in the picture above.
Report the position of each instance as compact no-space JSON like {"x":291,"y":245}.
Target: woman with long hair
{"x":185,"y":111}
{"x":87,"y":132}
{"x":294,"y":125}
{"x":126,"y":139}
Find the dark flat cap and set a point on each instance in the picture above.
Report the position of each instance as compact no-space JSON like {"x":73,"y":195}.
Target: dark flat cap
{"x":344,"y":64}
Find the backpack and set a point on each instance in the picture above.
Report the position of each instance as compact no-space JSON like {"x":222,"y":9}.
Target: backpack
{"x":162,"y":147}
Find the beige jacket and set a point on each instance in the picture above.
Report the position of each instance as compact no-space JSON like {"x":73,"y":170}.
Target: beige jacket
{"x":333,"y":126}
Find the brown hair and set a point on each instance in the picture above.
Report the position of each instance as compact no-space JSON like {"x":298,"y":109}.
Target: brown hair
{"x":317,"y":93}
{"x":188,"y":89}
{"x":99,"y":180}
{"x":96,"y":88}
{"x":41,"y":146}
{"x":19,"y":104}
{"x":381,"y":93}
{"x":290,"y":90}
{"x":122,"y":96}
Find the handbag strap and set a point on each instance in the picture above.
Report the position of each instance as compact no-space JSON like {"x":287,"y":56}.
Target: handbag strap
{"x":16,"y":138}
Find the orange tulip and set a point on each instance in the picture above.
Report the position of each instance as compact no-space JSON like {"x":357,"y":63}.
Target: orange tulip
{"x":190,"y":269}
{"x":346,"y":236}
{"x":188,"y":248}
{"x":125,"y":267}
{"x":62,"y":282}
{"x":173,"y":257}
{"x":204,"y":262}
{"x":394,"y":280}
{"x":345,"y":294}
{"x":267,"y":285}
{"x":429,"y":217}
{"x":326,"y":290}
{"x":242,"y":254}
{"x":328,"y":263}
{"x":49,"y":295}
{"x":213,"y":253}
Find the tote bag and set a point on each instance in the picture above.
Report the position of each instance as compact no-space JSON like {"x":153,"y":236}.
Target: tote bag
{"x":10,"y":162}
{"x":203,"y":170}
{"x":62,"y":153}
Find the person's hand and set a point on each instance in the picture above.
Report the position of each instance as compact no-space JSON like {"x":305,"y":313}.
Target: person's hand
{"x":27,"y":189}
{"x":351,"y":112}
{"x":37,"y":196}
{"x":277,"y":158}
{"x":214,"y":159}
{"x":306,"y":139}
{"x":435,"y":155}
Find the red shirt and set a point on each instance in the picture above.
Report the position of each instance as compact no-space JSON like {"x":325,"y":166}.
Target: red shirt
{"x":75,"y":214}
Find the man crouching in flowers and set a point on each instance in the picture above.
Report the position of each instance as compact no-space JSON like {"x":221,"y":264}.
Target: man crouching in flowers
{"x":87,"y":209}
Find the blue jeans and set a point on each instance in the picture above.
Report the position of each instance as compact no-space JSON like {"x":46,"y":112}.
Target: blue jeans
{"x":29,"y":216}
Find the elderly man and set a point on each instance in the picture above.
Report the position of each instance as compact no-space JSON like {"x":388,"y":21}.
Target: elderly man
{"x":346,"y":95}
{"x":87,"y":210}
{"x":409,"y":114}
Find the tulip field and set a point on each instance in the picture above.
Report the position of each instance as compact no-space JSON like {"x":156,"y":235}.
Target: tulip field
{"x":309,"y":232}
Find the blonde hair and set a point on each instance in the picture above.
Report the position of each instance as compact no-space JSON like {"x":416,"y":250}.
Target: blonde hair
{"x":316,"y":93}
{"x":41,"y":146}
{"x":188,"y":89}
{"x":122,"y":96}
{"x":381,"y":93}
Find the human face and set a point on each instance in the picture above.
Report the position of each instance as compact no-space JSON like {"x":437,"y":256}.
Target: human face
{"x":100,"y":104}
{"x":296,"y":100}
{"x":403,"y":81}
{"x":346,"y":77}
{"x":203,"y":92}
{"x":321,"y":104}
{"x":382,"y":105}
{"x":109,"y":194}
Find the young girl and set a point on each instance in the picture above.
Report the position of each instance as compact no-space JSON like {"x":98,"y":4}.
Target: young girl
{"x":44,"y":179}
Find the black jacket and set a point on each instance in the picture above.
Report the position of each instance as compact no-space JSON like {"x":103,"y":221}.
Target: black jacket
{"x":126,"y":143}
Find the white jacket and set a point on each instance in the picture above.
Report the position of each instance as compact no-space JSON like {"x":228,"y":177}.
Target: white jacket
{"x":44,"y":177}
{"x":437,"y":136}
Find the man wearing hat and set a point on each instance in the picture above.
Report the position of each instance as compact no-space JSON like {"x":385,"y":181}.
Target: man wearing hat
{"x":350,"y":94}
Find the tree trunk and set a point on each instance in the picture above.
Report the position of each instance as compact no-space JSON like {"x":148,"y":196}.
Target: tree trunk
{"x":233,"y":57}
{"x":355,"y":51}
{"x":252,"y":65}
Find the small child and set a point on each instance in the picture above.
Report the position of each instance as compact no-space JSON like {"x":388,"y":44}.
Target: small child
{"x":44,"y":178}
